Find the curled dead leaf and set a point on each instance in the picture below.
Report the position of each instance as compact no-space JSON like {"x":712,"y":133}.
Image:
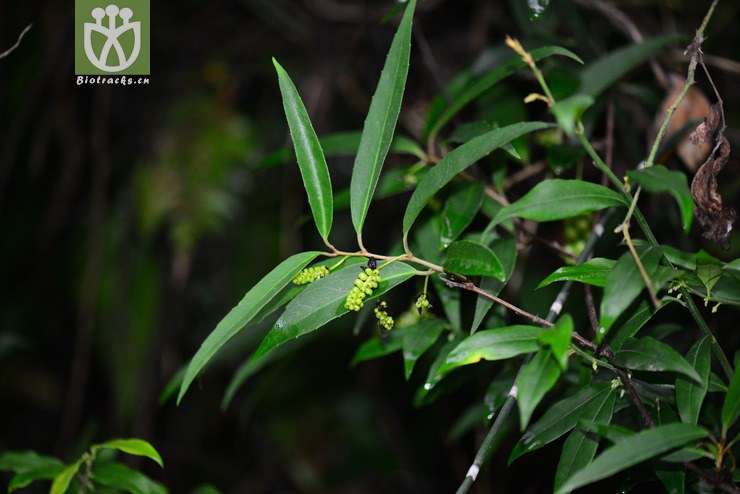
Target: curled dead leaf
{"x":716,"y":220}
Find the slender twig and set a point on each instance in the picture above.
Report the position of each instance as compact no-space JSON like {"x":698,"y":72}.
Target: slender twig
{"x":17,"y":43}
{"x":712,"y":478}
{"x":694,"y":50}
{"x":645,"y":278}
{"x":523,"y":174}
{"x":468,"y":285}
{"x":591,"y":308}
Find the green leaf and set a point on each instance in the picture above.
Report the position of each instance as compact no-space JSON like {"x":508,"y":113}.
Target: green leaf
{"x":493,"y":344}
{"x":61,"y":482}
{"x":460,"y":209}
{"x":472,"y":258}
{"x":602,"y":73}
{"x":28,"y":461}
{"x":118,"y":475}
{"x":716,"y":384}
{"x":731,"y":407}
{"x":458,"y":160}
{"x":29,"y":466}
{"x":417,"y":339}
{"x":580,"y":446}
{"x":557,"y":199}
{"x":308,"y":151}
{"x":633,"y":450}
{"x":323,"y":301}
{"x":673,"y":478}
{"x":658,"y":178}
{"x":649,"y":354}
{"x":631,"y":326}
{"x":505,"y":249}
{"x":433,"y":376}
{"x":558,"y":339}
{"x":624,"y":284}
{"x":380,"y":123}
{"x":560,"y":418}
{"x":242,"y":314}
{"x":137,"y":447}
{"x":690,"y":395}
{"x":592,"y":272}
{"x":709,"y":274}
{"x":378,"y":346}
{"x":483,"y":84}
{"x":536,"y":379}
{"x":469,"y":130}
{"x":568,"y":111}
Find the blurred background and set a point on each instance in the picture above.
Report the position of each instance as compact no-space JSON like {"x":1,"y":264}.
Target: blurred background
{"x":133,"y":218}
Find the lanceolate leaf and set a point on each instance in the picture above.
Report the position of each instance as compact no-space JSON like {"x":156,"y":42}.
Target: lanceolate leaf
{"x":658,"y":178}
{"x":560,"y":418}
{"x":649,"y":354}
{"x":536,"y":379}
{"x":458,"y":160}
{"x":690,"y":395}
{"x":378,"y":346}
{"x":505,"y":249}
{"x":308,"y":151}
{"x":633,"y":450}
{"x":28,"y":467}
{"x":580,"y":446}
{"x":592,"y":272}
{"x":631,"y":326}
{"x":481,"y":85}
{"x":255,"y":299}
{"x":731,"y":407}
{"x":602,"y":73}
{"x":61,"y":482}
{"x":134,"y":446}
{"x":380,"y":123}
{"x":492,"y":344}
{"x":459,"y":211}
{"x":417,"y":339}
{"x":624,"y":284}
{"x":472,"y":258}
{"x":125,"y":479}
{"x":557,"y":199}
{"x":323,"y":301}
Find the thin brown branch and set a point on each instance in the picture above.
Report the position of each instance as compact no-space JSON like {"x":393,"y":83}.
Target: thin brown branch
{"x":591,"y":308}
{"x":712,"y":478}
{"x":465,"y":284}
{"x":524,"y":174}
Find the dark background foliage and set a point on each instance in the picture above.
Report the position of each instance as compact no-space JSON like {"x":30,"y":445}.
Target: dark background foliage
{"x":133,"y":218}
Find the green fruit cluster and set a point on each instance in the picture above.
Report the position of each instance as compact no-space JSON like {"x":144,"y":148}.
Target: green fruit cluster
{"x":366,"y":282}
{"x":576,"y":232}
{"x":310,"y":275}
{"x":384,"y":320}
{"x":422,"y":302}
